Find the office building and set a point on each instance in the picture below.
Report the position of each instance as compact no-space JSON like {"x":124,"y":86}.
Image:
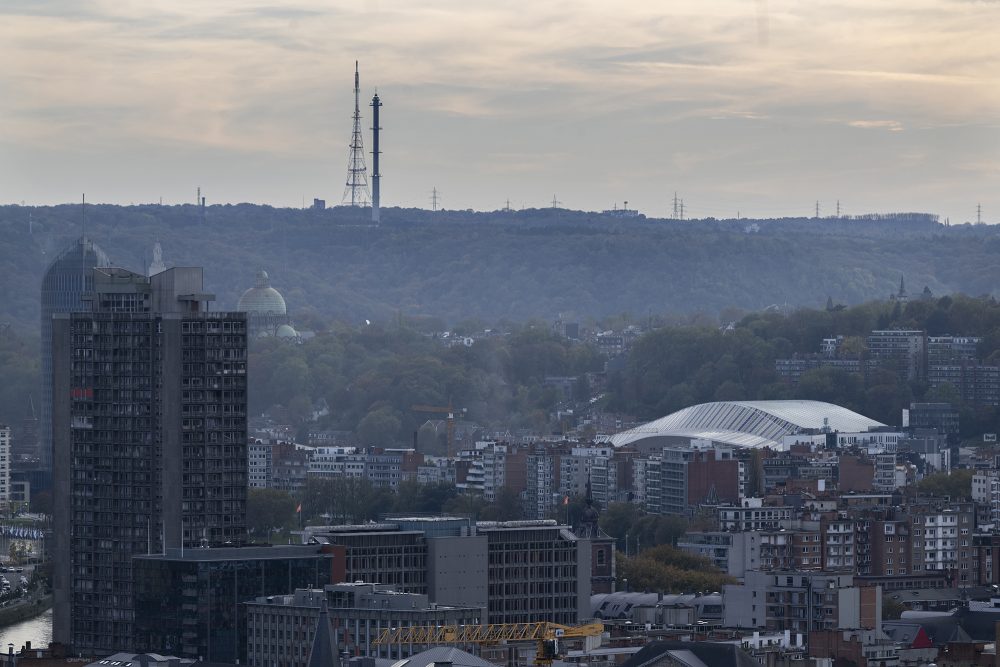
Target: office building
{"x":520,"y":571}
{"x":192,"y":603}
{"x":150,"y":441}
{"x":942,"y":417}
{"x":538,"y":571}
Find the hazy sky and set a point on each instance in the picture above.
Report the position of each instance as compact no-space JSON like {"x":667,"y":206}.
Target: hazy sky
{"x":756,"y":106}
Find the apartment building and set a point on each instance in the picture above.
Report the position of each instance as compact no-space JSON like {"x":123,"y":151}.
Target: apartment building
{"x":753,"y":515}
{"x":150,"y":440}
{"x":901,"y":351}
{"x":801,"y":602}
{"x":942,"y":540}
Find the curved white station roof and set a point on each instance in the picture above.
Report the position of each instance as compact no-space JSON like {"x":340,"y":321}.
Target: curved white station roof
{"x":749,"y":423}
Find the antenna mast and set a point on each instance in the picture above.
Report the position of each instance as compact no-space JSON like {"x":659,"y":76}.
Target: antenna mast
{"x":356,"y":191}
{"x":83,"y":243}
{"x":376,"y":176}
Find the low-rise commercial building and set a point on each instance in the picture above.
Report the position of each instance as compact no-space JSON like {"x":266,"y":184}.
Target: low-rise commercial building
{"x":190,"y":603}
{"x":281,"y":628}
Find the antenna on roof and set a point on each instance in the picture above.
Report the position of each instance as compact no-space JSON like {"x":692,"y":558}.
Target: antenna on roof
{"x":83,"y":244}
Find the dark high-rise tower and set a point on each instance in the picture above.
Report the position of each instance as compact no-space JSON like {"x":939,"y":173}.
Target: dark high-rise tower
{"x":376,"y":176}
{"x":150,"y":437}
{"x":66,"y":279}
{"x":356,"y":192}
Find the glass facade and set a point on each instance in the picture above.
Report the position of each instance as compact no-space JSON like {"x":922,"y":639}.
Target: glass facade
{"x":193,"y":606}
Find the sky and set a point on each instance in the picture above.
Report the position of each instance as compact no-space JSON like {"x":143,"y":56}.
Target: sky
{"x":755,"y":108}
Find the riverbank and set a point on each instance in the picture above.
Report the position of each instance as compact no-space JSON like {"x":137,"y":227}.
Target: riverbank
{"x":25,"y":610}
{"x":37,"y":630}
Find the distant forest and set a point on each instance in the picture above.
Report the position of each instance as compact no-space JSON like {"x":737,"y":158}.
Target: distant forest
{"x":422,"y":271}
{"x":454,"y":266}
{"x":371,"y":376}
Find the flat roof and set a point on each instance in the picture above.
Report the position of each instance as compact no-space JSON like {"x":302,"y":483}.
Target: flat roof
{"x":276,"y":552}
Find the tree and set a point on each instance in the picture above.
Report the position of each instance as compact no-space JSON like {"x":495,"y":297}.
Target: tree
{"x":423,"y":498}
{"x":465,"y":504}
{"x":379,"y":428}
{"x":268,"y":510}
{"x":628,"y":522}
{"x":507,"y":507}
{"x":19,"y":552}
{"x":957,"y":484}
{"x":891,"y":609}
{"x":670,"y":570}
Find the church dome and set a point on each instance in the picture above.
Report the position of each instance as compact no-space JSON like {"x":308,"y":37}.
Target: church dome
{"x":262,"y":298}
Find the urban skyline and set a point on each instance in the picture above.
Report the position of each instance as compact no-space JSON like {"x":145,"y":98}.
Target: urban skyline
{"x":757,"y":109}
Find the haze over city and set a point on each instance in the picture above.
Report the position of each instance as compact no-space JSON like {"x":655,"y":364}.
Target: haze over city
{"x":754,"y":107}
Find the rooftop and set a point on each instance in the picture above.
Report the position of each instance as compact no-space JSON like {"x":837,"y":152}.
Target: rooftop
{"x":236,"y":553}
{"x":749,"y":423}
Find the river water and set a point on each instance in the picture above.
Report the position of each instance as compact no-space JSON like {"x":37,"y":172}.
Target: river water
{"x":37,"y":630}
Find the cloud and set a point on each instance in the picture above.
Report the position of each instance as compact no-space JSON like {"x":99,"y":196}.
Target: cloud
{"x":594,"y":88}
{"x":891,"y":125}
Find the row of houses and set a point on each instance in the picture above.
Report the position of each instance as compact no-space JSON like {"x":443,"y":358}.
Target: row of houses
{"x":912,"y":355}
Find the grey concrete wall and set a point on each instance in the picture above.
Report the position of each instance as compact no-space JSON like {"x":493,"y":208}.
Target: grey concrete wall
{"x":584,"y":555}
{"x":457,"y":571}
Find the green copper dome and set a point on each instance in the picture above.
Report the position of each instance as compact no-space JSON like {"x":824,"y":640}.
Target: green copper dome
{"x":262,"y":298}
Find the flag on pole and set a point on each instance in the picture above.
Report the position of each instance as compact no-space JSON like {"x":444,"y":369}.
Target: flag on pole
{"x":298,"y":510}
{"x":565,"y":500}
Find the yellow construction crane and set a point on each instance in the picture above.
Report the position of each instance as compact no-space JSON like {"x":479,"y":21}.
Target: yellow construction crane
{"x":545,"y":635}
{"x":450,"y":421}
